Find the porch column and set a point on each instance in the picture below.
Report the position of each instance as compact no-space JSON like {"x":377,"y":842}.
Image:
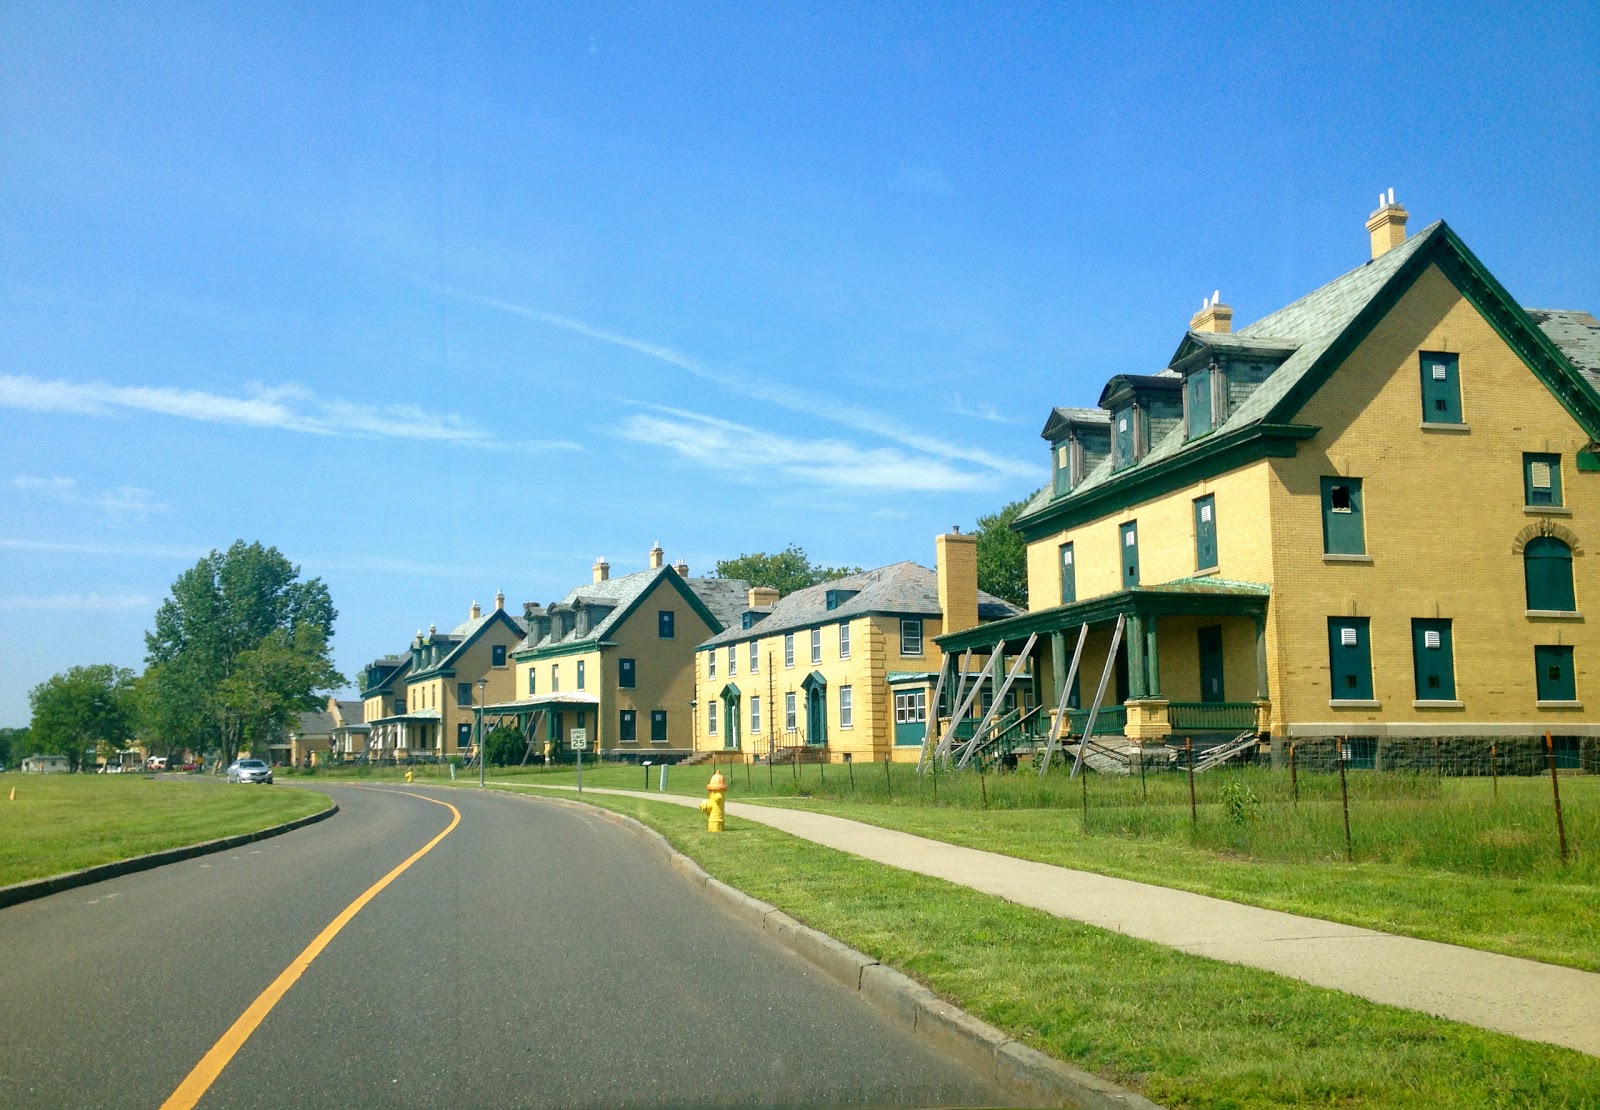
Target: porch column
{"x":1152,"y":658}
{"x":1058,"y":668}
{"x":1133,"y":636}
{"x":1261,"y":657}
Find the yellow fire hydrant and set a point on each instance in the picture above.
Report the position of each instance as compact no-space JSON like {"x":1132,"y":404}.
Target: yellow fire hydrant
{"x":714,"y":806}
{"x":408,"y":775}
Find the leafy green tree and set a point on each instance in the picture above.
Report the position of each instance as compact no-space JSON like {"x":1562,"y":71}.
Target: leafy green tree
{"x":1002,"y":556}
{"x":239,"y":647}
{"x":85,"y":709}
{"x":787,"y":571}
{"x":13,"y":746}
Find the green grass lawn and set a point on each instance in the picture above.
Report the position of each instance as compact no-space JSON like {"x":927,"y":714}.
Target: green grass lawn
{"x":1443,"y":859}
{"x":1185,"y":1031}
{"x":60,"y":823}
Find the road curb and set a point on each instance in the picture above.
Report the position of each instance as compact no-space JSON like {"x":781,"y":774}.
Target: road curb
{"x":1026,"y":1072}
{"x":30,"y":889}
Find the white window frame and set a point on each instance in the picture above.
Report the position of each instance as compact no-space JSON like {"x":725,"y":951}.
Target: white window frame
{"x":755,"y":657}
{"x":910,"y":623}
{"x":733,"y":660}
{"x":788,"y":651}
{"x":755,"y":714}
{"x":816,"y":645}
{"x":711,"y":716}
{"x":844,"y":639}
{"x":791,"y":712}
{"x":846,"y":707}
{"x":711,"y":663}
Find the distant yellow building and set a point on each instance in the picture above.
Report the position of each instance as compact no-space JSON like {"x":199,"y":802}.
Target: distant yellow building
{"x":1364,"y":515}
{"x":613,"y":662}
{"x":425,"y":705}
{"x":840,"y":670}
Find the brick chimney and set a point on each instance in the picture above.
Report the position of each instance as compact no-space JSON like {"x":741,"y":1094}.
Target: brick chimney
{"x":474,"y":613}
{"x":1213,"y":316}
{"x":1387,"y":225}
{"x":957,"y":569}
{"x":682,"y":568}
{"x":601,"y":569}
{"x":657,"y":556}
{"x":500,"y":599}
{"x":762,"y":596}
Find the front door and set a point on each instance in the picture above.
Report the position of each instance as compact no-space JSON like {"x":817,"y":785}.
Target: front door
{"x":730,"y":719}
{"x":1211,"y":663}
{"x":817,"y":715}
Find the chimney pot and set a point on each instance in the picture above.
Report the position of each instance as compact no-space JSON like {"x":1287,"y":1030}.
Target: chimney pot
{"x":474,"y":613}
{"x":682,"y":568}
{"x":601,"y":569}
{"x":656,"y":556}
{"x":1214,"y":316}
{"x":500,"y":599}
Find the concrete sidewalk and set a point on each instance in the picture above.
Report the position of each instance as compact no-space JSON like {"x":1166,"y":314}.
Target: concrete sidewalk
{"x":1525,"y":998}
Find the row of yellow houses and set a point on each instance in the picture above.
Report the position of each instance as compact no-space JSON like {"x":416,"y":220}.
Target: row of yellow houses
{"x":1365,"y":514}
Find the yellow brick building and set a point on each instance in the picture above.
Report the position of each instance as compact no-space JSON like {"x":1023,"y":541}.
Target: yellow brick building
{"x":1364,"y":515}
{"x":425,"y":704}
{"x":614,"y":660}
{"x":840,"y":670}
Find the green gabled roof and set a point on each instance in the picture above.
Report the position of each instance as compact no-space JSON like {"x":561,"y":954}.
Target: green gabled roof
{"x":626,"y":594}
{"x":469,"y":632}
{"x":1321,"y":329}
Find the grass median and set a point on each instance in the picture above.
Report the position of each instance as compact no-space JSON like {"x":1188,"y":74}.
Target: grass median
{"x":1464,"y":861}
{"x":60,"y":823}
{"x":1185,"y":1031}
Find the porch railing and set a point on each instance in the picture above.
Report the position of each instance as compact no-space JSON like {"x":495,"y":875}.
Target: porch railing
{"x":1218,"y":716}
{"x":1111,"y":720}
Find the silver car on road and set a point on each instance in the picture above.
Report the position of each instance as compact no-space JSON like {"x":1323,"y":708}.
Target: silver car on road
{"x":249,"y":770}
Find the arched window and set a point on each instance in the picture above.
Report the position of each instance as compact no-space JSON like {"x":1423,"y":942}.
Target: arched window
{"x":1547,"y":566}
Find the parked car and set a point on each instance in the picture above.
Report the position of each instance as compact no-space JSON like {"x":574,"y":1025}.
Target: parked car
{"x":249,"y":770}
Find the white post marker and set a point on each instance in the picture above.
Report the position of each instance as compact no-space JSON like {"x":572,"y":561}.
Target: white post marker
{"x":580,"y":741}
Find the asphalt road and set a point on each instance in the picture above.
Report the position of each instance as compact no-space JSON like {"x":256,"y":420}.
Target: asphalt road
{"x":538,"y":956}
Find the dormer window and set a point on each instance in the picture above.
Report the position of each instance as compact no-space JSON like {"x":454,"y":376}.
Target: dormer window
{"x":1197,"y":402}
{"x":1124,"y":422}
{"x":836,"y":598}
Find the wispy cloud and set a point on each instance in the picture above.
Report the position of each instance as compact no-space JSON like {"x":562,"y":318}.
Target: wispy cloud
{"x":90,"y":602}
{"x":805,"y":401}
{"x":102,"y":550}
{"x":122,"y":501}
{"x":979,"y":410}
{"x":290,"y":407}
{"x":752,"y":454}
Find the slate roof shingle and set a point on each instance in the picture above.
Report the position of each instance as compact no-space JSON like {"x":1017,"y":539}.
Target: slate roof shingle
{"x":724,"y":597}
{"x":906,"y":588}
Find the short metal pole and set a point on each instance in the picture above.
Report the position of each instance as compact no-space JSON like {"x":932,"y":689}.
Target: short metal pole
{"x":1294,"y":780}
{"x":664,"y":778}
{"x":1344,"y":793}
{"x":888,"y":781}
{"x":1083,"y":780}
{"x":580,"y":770}
{"x":983,"y":788}
{"x":1555,"y":788}
{"x":850,"y":763}
{"x":1494,"y":768}
{"x":1188,"y":757}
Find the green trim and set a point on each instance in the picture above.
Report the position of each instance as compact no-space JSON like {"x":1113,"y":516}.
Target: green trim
{"x":1248,"y":599}
{"x":1588,"y":460}
{"x":556,"y":651}
{"x":444,"y":669}
{"x":1216,"y":454}
{"x":829,"y":620}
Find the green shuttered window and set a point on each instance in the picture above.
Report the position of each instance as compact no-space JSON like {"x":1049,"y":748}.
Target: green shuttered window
{"x":1350,"y":658}
{"x":1547,"y":568}
{"x":1069,"y":575}
{"x":1555,"y":678}
{"x":1343,"y":530}
{"x":1433,"y":660}
{"x":1205,"y":532}
{"x":1128,"y":536}
{"x":1441,"y":388}
{"x":1541,"y":479}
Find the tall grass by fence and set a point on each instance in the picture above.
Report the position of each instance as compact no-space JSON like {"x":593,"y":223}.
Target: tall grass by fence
{"x":1490,"y":815}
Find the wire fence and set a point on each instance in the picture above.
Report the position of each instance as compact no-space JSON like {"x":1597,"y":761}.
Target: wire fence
{"x":1483,"y":807}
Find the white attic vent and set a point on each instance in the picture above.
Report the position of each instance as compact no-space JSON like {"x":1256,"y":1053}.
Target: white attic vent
{"x":1440,"y":374}
{"x":1347,"y":637}
{"x":1430,"y":640}
{"x":1122,"y":424}
{"x":1539,"y":473}
{"x":1129,"y":539}
{"x":1205,"y":514}
{"x":1066,"y":558}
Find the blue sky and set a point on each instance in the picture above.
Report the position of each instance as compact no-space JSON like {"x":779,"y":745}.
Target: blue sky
{"x":458,"y":299}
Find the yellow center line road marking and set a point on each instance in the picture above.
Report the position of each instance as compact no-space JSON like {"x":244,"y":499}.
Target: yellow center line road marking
{"x":205,"y":1073}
